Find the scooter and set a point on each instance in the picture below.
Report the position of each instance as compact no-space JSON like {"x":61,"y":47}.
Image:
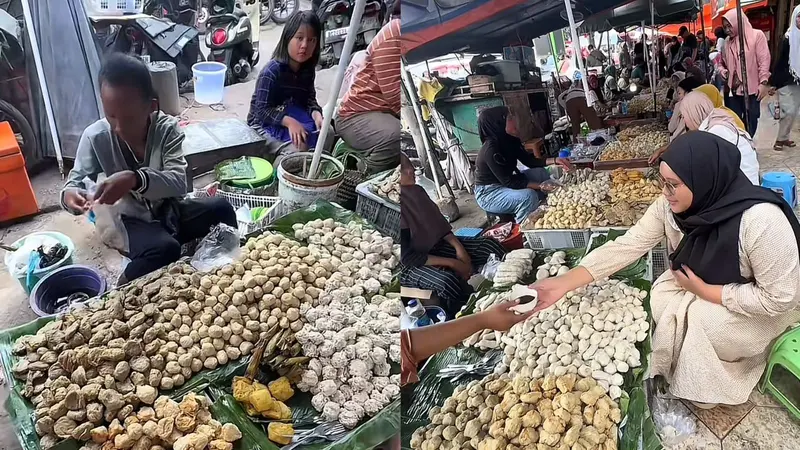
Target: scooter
{"x":232,"y":36}
{"x":160,"y":39}
{"x":278,"y":10}
{"x":335,"y":17}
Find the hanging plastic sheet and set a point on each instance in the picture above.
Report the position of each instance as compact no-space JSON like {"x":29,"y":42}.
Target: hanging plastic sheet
{"x":71,"y":64}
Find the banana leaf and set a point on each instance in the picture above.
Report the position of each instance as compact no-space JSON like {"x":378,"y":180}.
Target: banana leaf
{"x":321,"y":209}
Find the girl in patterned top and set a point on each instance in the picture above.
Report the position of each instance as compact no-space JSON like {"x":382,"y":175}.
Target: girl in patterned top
{"x":284,"y":104}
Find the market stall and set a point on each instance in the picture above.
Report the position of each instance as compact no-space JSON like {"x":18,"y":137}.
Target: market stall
{"x":161,"y":361}
{"x":549,"y":379}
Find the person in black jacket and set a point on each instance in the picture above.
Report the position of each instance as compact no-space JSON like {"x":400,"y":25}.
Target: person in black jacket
{"x":500,"y":187}
{"x":433,"y":258}
{"x":784,"y":79}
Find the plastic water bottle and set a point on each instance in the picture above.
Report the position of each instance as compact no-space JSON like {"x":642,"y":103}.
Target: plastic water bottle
{"x":624,"y":108}
{"x":417,"y":311}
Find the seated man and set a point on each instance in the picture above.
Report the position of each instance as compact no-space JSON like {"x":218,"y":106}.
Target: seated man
{"x":139,"y":149}
{"x":433,"y":258}
{"x":369,"y":116}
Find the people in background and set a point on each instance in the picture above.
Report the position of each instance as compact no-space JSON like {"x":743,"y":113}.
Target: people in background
{"x":284,"y":103}
{"x":610,"y":89}
{"x":735,"y":272}
{"x":691,"y":69}
{"x":676,"y":126}
{"x":369,"y":116}
{"x":698,"y":113}
{"x":578,"y":107}
{"x":784,"y":80}
{"x":671,"y":51}
{"x":625,"y":56}
{"x":139,"y":151}
{"x":676,"y":78}
{"x":688,"y":46}
{"x":500,"y":187}
{"x":432,"y":257}
{"x":716,"y":98}
{"x":757,"y":60}
{"x":417,"y":344}
{"x":719,"y":80}
{"x":596,"y":57}
{"x":639,"y":73}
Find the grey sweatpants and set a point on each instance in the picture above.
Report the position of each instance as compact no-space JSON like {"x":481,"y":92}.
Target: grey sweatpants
{"x":376,"y":134}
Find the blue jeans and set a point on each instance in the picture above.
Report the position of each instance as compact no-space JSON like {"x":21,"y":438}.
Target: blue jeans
{"x":498,"y":199}
{"x":281,"y":133}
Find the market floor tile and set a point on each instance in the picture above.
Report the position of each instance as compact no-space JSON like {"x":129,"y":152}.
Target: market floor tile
{"x":764,"y":429}
{"x":722,"y":419}
{"x":765,"y":400}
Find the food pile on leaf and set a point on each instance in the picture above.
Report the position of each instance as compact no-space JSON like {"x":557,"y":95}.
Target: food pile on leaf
{"x":187,"y":425}
{"x":504,"y":413}
{"x":104,"y":361}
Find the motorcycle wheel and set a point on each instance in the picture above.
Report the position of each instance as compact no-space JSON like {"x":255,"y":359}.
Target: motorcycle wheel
{"x":21,"y":127}
{"x":267,"y":7}
{"x":281,"y":12}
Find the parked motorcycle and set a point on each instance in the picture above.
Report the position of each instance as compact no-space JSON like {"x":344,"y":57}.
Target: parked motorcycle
{"x":160,"y":39}
{"x":15,"y":82}
{"x":232,"y":36}
{"x":335,"y":17}
{"x":278,"y":10}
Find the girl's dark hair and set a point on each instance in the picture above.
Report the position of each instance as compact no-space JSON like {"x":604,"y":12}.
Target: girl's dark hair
{"x":296,"y":20}
{"x":122,"y":70}
{"x":719,"y":32}
{"x":689,"y":83}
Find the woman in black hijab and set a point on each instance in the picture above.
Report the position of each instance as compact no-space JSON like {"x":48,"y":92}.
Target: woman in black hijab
{"x":500,"y":187}
{"x":735,"y":271}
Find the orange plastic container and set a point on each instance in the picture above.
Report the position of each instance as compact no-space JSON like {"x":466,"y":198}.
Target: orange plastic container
{"x":16,"y":193}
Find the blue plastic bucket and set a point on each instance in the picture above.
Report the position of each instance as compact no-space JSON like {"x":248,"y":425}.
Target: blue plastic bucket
{"x":38,"y":274}
{"x":62,"y":283}
{"x":209,"y":82}
{"x":784,"y":183}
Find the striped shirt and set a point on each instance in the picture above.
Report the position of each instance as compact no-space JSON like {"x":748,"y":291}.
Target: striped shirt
{"x":377,"y":85}
{"x":278,"y":86}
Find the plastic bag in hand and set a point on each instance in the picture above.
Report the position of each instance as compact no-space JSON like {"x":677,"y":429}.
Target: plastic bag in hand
{"x":107,"y":219}
{"x":219,"y":247}
{"x":490,"y":268}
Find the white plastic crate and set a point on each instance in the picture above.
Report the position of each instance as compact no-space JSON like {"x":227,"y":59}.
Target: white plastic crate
{"x":379,"y":211}
{"x":556,"y":239}
{"x":113,"y":7}
{"x":274,"y":205}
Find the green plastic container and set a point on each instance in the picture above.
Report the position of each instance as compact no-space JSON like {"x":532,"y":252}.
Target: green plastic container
{"x":38,"y":274}
{"x":265,"y":174}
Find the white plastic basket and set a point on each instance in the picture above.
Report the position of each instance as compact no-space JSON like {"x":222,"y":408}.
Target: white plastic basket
{"x":113,"y":7}
{"x":556,"y":239}
{"x":274,"y":205}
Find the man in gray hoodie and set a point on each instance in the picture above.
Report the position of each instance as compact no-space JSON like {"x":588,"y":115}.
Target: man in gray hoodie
{"x":139,"y":151}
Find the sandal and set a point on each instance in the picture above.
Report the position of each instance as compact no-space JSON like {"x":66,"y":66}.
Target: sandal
{"x":786,"y":143}
{"x":778,"y":146}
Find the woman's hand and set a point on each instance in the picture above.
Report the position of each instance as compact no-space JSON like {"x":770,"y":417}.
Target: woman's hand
{"x":317,"y":116}
{"x":549,"y":291}
{"x":763,"y":91}
{"x":296,"y":131}
{"x":500,"y":317}
{"x":657,"y":154}
{"x":565,"y":163}
{"x":689,"y":281}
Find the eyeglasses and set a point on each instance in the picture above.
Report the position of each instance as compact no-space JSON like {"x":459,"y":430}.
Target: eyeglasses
{"x":670,"y":187}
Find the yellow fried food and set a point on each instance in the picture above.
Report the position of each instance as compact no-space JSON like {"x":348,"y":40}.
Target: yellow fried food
{"x":279,"y":411}
{"x":281,"y":389}
{"x":260,"y":398}
{"x":280,"y":433}
{"x":242,"y":387}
